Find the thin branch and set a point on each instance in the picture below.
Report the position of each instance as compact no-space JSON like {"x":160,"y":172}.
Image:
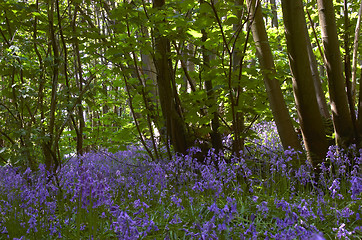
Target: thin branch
{"x":135,"y":119}
{"x":184,"y":68}
{"x":218,"y":20}
{"x":8,"y":137}
{"x":316,"y":38}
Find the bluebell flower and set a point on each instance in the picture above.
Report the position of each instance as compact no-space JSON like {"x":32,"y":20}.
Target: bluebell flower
{"x":175,"y":220}
{"x":342,"y":231}
{"x":334,"y":187}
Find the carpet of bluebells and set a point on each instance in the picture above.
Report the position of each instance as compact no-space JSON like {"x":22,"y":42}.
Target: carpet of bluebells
{"x":125,"y":195}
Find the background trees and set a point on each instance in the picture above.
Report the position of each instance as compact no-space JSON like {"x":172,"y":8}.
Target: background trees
{"x":82,"y":74}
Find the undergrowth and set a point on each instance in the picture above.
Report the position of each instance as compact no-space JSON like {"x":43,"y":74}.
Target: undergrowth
{"x":124,"y":195}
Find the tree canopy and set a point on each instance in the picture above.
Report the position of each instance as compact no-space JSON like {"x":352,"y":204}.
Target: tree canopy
{"x":78,"y":75}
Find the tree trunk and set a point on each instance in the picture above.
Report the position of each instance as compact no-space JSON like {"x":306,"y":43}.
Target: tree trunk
{"x":78,"y":72}
{"x":309,"y":116}
{"x":338,"y":98}
{"x":216,"y":140}
{"x":51,"y":161}
{"x":175,"y":127}
{"x":279,"y":109}
{"x":355,"y":53}
{"x":321,"y":99}
{"x":275,"y":14}
{"x":188,"y":67}
{"x":237,"y":69}
{"x":360,"y":112}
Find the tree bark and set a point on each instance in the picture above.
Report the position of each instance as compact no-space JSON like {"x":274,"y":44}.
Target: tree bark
{"x":216,"y":140}
{"x":239,"y":144}
{"x":355,"y":53}
{"x":338,"y":98}
{"x":175,"y":127}
{"x":286,"y":131}
{"x":309,"y":116}
{"x":321,"y":99}
{"x":79,"y":80}
{"x":275,"y":14}
{"x":48,"y":146}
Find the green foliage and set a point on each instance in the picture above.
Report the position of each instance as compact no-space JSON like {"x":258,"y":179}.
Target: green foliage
{"x":103,"y":47}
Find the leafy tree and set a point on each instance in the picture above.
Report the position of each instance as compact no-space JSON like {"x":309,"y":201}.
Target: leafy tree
{"x":174,"y":74}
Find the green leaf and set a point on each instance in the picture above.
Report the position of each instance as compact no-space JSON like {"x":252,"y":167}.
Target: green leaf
{"x":205,"y":8}
{"x":194,"y":33}
{"x":232,"y":19}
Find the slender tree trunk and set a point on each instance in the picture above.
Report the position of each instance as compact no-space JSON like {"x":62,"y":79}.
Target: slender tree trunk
{"x":51,"y":161}
{"x":150,"y":82}
{"x":347,"y":57}
{"x":354,"y":57}
{"x":188,"y":67}
{"x":174,"y":122}
{"x":338,"y":98}
{"x":347,"y":70}
{"x":317,"y":71}
{"x":237,"y":69}
{"x":309,"y":116}
{"x":279,"y":109}
{"x":79,"y":81}
{"x":360,"y":111}
{"x":321,"y":99}
{"x":275,"y":14}
{"x":215,"y":134}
